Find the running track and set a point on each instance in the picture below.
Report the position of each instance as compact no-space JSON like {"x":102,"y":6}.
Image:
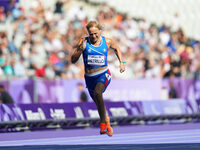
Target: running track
{"x":139,"y":137}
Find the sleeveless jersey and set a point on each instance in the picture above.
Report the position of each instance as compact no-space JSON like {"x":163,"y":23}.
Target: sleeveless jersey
{"x":95,"y":56}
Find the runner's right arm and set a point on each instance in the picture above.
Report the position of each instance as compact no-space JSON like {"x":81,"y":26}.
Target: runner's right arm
{"x":78,"y":51}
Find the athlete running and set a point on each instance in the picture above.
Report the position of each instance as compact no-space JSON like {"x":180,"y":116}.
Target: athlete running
{"x":94,"y":49}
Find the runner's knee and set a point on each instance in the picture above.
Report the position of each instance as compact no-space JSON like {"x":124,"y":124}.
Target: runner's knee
{"x":97,"y":93}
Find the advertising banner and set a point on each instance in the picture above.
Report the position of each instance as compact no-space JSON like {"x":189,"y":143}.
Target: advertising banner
{"x":5,"y":84}
{"x":50,"y":91}
{"x":174,"y":107}
{"x":186,"y":89}
{"x":66,"y":91}
{"x":12,"y":112}
{"x":119,"y":90}
{"x":22,"y":91}
{"x":134,"y":90}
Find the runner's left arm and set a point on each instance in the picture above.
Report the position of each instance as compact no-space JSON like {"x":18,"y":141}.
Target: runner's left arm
{"x":118,"y":53}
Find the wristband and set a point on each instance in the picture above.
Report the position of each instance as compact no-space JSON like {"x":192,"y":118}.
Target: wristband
{"x":122,"y":62}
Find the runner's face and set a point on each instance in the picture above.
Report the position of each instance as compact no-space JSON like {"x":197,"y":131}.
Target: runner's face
{"x":94,"y":34}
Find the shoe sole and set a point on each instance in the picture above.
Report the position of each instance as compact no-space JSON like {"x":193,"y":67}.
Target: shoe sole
{"x":103,"y":132}
{"x":110,"y":133}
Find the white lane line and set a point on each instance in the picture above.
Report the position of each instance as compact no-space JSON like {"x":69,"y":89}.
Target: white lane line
{"x":101,"y":139}
{"x":119,"y":136}
{"x":134,"y":140}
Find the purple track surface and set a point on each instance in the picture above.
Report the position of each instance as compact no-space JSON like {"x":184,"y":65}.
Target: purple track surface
{"x":135,"y":134}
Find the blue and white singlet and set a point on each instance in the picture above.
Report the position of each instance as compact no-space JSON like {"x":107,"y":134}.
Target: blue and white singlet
{"x":95,"y":56}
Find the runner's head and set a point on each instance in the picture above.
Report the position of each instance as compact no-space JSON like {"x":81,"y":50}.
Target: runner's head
{"x":94,"y":30}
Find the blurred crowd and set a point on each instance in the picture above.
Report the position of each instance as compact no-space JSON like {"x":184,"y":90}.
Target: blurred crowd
{"x":38,"y":42}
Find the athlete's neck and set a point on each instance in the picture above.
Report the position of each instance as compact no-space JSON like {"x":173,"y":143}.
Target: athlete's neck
{"x":96,"y":43}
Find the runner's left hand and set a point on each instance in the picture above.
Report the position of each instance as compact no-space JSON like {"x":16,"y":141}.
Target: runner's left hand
{"x":122,"y":67}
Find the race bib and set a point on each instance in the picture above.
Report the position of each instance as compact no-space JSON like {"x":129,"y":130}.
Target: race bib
{"x":97,"y":60}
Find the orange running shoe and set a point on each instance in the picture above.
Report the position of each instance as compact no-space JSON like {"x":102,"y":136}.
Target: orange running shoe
{"x":103,"y":128}
{"x":108,"y":126}
{"x":109,"y":130}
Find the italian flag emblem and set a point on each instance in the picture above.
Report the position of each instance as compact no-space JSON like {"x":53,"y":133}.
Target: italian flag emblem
{"x":104,"y":50}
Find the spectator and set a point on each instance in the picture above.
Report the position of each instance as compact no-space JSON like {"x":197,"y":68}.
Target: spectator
{"x":5,"y":97}
{"x":82,"y":94}
{"x":172,"y":91}
{"x":11,"y":46}
{"x":19,"y":68}
{"x":2,"y":14}
{"x":58,"y":7}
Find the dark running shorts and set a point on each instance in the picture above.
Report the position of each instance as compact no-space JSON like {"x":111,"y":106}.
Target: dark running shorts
{"x":91,"y":81}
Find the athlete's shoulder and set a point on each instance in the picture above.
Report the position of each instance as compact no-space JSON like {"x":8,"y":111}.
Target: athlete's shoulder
{"x":108,"y":41}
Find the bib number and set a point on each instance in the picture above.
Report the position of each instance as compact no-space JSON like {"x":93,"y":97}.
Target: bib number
{"x":96,"y":60}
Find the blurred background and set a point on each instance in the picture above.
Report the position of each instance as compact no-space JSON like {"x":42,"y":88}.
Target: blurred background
{"x":159,"y":40}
